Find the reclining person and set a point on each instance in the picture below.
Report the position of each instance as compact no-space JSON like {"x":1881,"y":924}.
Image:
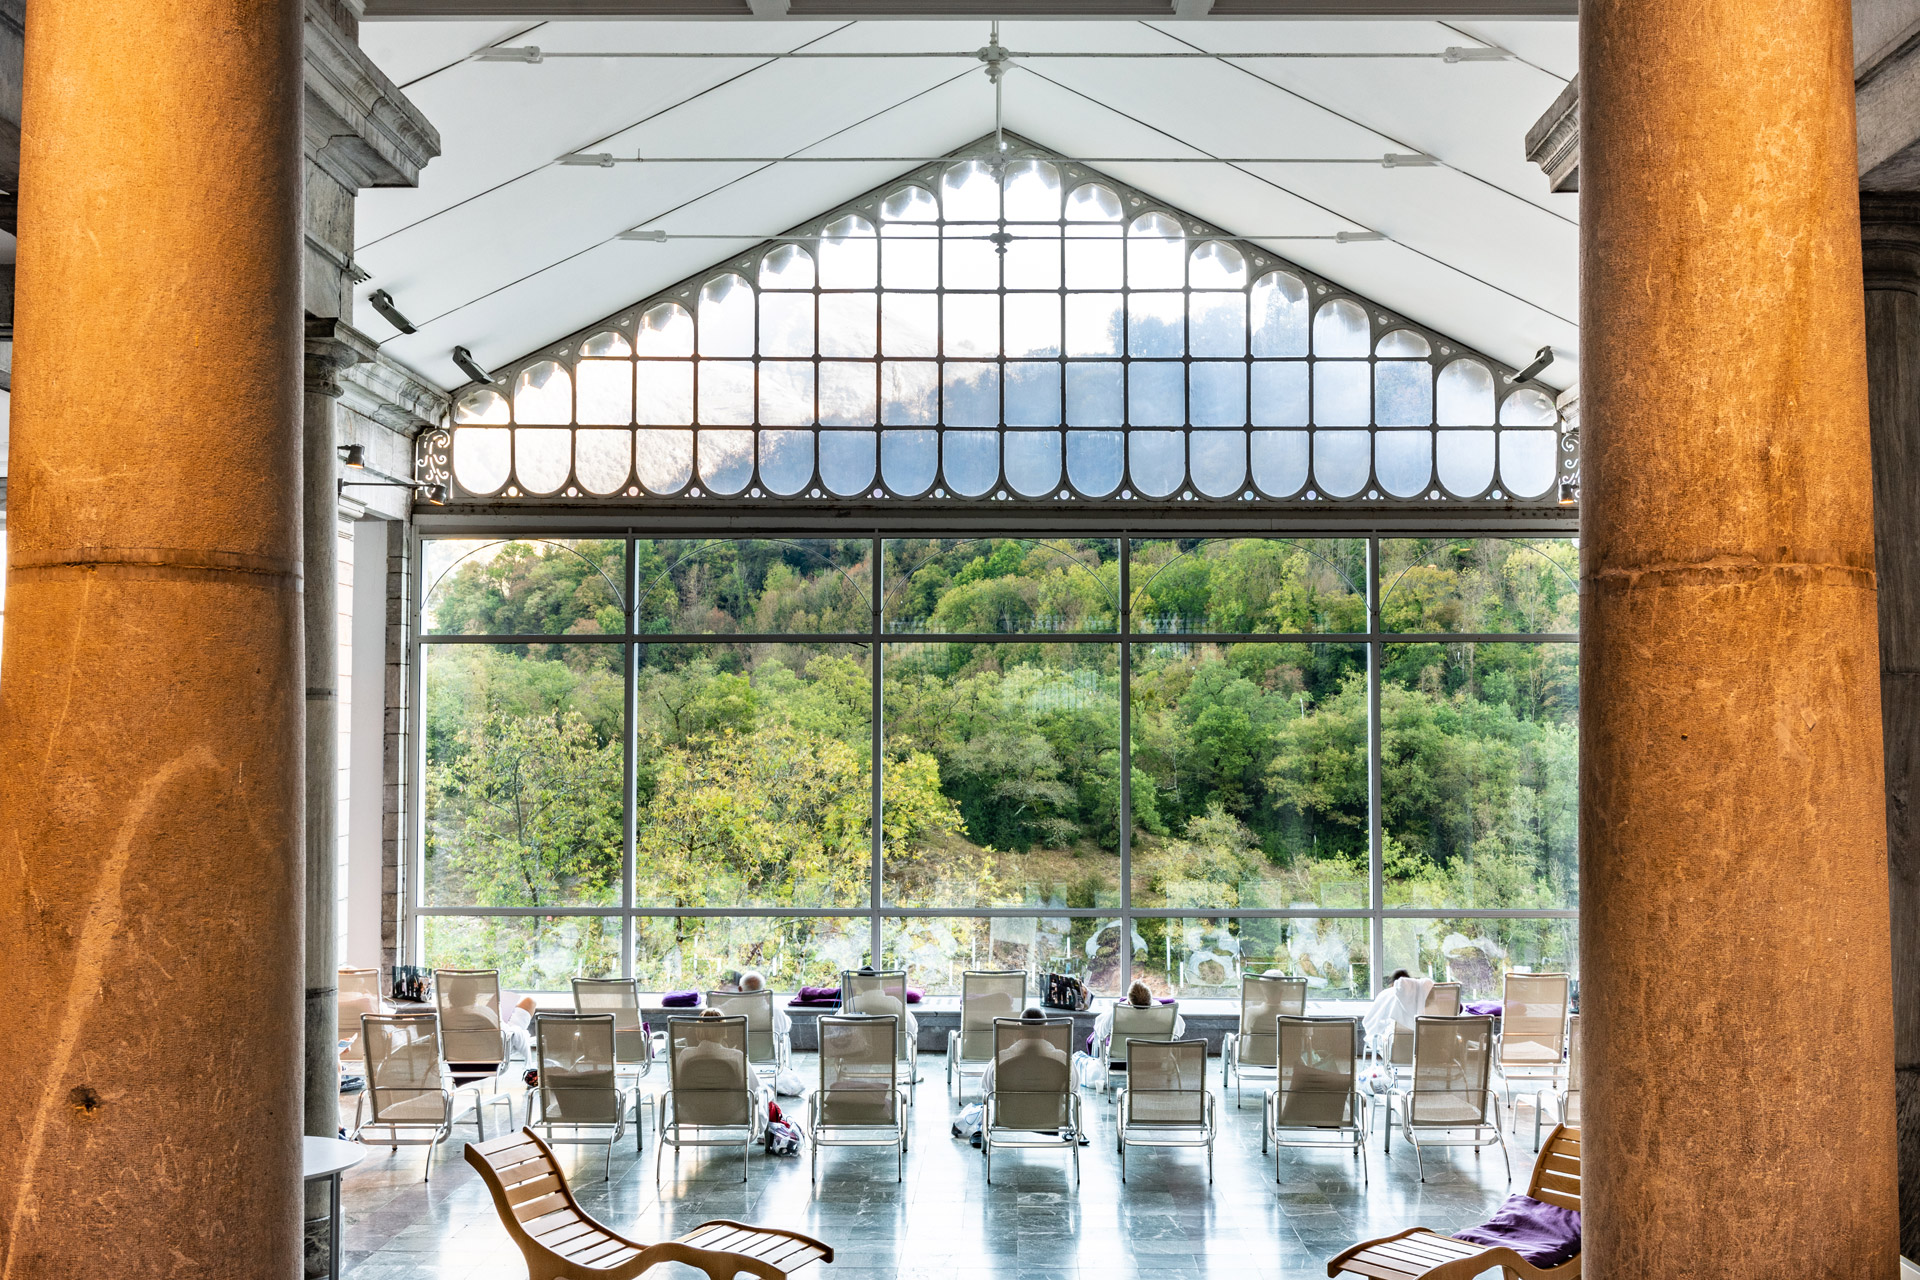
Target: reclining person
{"x":1140,"y":998}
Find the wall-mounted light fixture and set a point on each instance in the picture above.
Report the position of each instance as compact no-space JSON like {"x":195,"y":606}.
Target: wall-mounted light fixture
{"x":1541,"y":359}
{"x":469,"y":366}
{"x":354,"y":455}
{"x":382,"y":302}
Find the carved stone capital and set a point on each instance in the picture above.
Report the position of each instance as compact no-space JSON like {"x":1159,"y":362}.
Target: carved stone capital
{"x":359,"y":127}
{"x":333,"y":346}
{"x":1553,"y":142}
{"x":393,"y":395}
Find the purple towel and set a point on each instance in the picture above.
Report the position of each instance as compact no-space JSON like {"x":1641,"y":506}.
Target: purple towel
{"x":1482,"y":1008}
{"x":680,"y":1000}
{"x":1544,"y":1234}
{"x":915,"y":995}
{"x":799,"y":1002}
{"x":818,"y":995}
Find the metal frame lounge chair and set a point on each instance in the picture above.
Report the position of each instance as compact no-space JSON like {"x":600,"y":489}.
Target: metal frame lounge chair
{"x":1532,"y":1046}
{"x":711,"y":1093}
{"x":1567,"y":1101}
{"x":767,"y":1049}
{"x":1032,"y":1101}
{"x":882,"y":992}
{"x":984,"y":996}
{"x":1131,"y":1022}
{"x":1423,"y":1254}
{"x":579,"y":1082}
{"x":357,"y":992}
{"x":560,"y":1242}
{"x":1316,"y":1088}
{"x":1263,"y":997}
{"x":1166,"y":1102}
{"x":1452,"y":1058}
{"x":632,"y":1046}
{"x":471,"y":1033}
{"x":409,"y":1089}
{"x":859,"y":1102}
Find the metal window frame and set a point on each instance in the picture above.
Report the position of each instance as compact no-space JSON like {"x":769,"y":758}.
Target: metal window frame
{"x":878,"y":910}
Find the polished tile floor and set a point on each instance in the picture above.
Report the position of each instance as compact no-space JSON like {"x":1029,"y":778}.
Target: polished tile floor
{"x":942,"y":1220}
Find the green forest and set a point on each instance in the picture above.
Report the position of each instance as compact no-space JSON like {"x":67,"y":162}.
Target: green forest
{"x":752,"y":776}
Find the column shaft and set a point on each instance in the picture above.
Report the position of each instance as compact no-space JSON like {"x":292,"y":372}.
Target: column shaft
{"x":321,"y":624}
{"x":1890,"y":242}
{"x":150,"y":714}
{"x":1734,"y":948}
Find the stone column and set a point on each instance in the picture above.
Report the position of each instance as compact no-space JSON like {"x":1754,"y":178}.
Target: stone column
{"x":1734,"y":950}
{"x":1890,"y":241}
{"x":150,"y":715}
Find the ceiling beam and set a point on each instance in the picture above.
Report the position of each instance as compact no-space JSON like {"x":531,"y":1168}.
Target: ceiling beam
{"x":840,"y":10}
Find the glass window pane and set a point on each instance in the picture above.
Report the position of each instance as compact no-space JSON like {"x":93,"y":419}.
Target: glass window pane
{"x":1156,"y":460}
{"x":1465,"y":395}
{"x":910,"y":393}
{"x":1341,"y":461}
{"x":1528,"y":460}
{"x":1279,"y":315}
{"x":726,"y":460}
{"x":523,"y":775}
{"x":1464,"y":460}
{"x":1279,"y":462}
{"x":847,"y":325}
{"x":1032,"y":395}
{"x":1033,"y":325}
{"x":665,"y":393}
{"x":1094,"y":324}
{"x":769,"y":585}
{"x":971,"y":324}
{"x":1032,"y":462}
{"x":962,"y":586}
{"x":606,"y":392}
{"x":1403,"y":393}
{"x":1255,"y":586}
{"x":602,"y":460}
{"x":1032,"y":192}
{"x":1518,"y":586}
{"x":909,"y":460}
{"x":910,"y":324}
{"x":1095,"y":258}
{"x":1340,"y":329}
{"x":1217,"y":265}
{"x":846,"y":461}
{"x":786,"y":461}
{"x":1156,"y":324}
{"x":1094,"y":395}
{"x":726,"y":317}
{"x":970,"y":394}
{"x":665,"y":330}
{"x":1096,"y":461}
{"x":481,"y":407}
{"x":1033,"y":258}
{"x":846,"y":394}
{"x":970,"y":461}
{"x":1279,"y":393}
{"x":1156,"y":394}
{"x":1009,"y":757}
{"x":969,"y":191}
{"x":786,"y":393}
{"x":1340,"y":396}
{"x":1217,"y":324}
{"x":1478,"y":953}
{"x":482,"y":457}
{"x":1218,"y":395}
{"x":1218,"y":462}
{"x":543,"y":393}
{"x":969,"y":259}
{"x":848,"y":254}
{"x":681,"y":953}
{"x":1479,"y":795}
{"x":909,"y":257}
{"x":786,"y":324}
{"x":1206,"y":958}
{"x":726,"y":392}
{"x":937,"y":950}
{"x":663,"y":460}
{"x":1404,"y":461}
{"x":786,"y":266}
{"x":753,"y":775}
{"x":532,"y":953}
{"x":1156,"y":252}
{"x":547,"y":586}
{"x":542,"y":458}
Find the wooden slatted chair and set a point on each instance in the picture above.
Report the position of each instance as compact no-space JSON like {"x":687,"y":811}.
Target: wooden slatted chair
{"x":562,"y":1243}
{"x":1422,"y":1254}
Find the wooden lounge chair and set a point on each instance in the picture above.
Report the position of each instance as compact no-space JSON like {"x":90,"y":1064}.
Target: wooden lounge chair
{"x":1421,"y":1254}
{"x":562,"y":1243}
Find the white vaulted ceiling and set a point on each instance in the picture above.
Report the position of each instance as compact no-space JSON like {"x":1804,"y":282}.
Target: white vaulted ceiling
{"x":502,"y":250}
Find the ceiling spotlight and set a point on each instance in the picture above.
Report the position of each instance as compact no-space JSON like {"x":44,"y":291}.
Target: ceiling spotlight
{"x":469,"y":366}
{"x":1358,"y":237}
{"x":354,"y":455}
{"x":383,"y":303}
{"x":1541,"y":359}
{"x":1405,"y":160}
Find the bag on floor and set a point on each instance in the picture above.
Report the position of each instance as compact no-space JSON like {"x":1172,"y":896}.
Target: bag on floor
{"x":967,"y":1122}
{"x":789,"y":1083}
{"x":782,"y":1139}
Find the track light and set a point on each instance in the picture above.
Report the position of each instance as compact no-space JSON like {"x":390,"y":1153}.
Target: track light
{"x":596,"y":159}
{"x":383,"y":303}
{"x":1358,"y":237}
{"x":469,"y":366}
{"x":354,"y":455}
{"x":1541,"y":359}
{"x":1475,"y":53}
{"x":1405,"y":160}
{"x":655,"y":235}
{"x":510,"y":53}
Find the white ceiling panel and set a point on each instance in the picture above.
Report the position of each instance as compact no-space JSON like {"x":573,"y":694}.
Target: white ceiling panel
{"x":503,"y":250}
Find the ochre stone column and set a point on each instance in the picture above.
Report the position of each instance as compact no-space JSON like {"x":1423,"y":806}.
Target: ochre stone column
{"x":1736,"y":1003}
{"x":150,"y":711}
{"x":1890,"y":242}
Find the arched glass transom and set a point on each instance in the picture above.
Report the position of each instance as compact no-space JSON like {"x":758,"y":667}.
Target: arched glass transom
{"x":1027,"y":331}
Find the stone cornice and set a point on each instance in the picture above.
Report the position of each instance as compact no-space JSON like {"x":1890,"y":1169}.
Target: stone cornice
{"x":359,"y":127}
{"x":333,"y":347}
{"x":393,"y":395}
{"x":1554,"y":141}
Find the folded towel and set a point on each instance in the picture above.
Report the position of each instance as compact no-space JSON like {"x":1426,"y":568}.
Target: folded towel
{"x":818,"y":995}
{"x":680,"y":1000}
{"x":1482,"y":1008}
{"x":799,"y":1003}
{"x":1544,"y":1234}
{"x":915,"y":995}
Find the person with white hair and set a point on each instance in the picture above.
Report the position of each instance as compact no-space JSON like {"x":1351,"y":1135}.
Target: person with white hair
{"x":1140,"y":998}
{"x":752,"y":980}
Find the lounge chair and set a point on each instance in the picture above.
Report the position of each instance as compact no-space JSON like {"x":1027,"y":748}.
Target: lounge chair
{"x":881,"y":993}
{"x":471,"y":1033}
{"x":859,"y":1102}
{"x":1031,"y":1100}
{"x":1423,"y":1254}
{"x":984,"y":996}
{"x":1166,"y":1103}
{"x":711,"y":1100}
{"x":1155,"y":1022}
{"x":357,"y":993}
{"x":1450,"y":1093}
{"x":579,"y":1083}
{"x":1263,"y":997}
{"x":560,"y":1242}
{"x":768,"y":1049}
{"x":1317,"y":1088}
{"x":632,"y":1046}
{"x":1567,"y":1102}
{"x":1532,"y":1046}
{"x":410,"y":1094}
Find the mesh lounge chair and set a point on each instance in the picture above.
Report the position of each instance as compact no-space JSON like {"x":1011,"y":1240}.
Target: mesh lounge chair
{"x":1032,"y":1102}
{"x":579,"y":1088}
{"x":882,"y":993}
{"x":1532,"y":1047}
{"x":1442,"y":1002}
{"x":1155,"y":1022}
{"x":1450,"y":1094}
{"x":1422,"y":1254}
{"x":470,"y":1031}
{"x":710,"y":1101}
{"x":1568,"y":1100}
{"x":1166,"y":1103}
{"x":1316,"y":1088}
{"x":984,"y":996}
{"x":560,"y":1242}
{"x":859,"y":1102}
{"x":767,"y":1049}
{"x":1263,"y":997}
{"x":409,"y":1091}
{"x":632,"y":1046}
{"x":359,"y":992}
